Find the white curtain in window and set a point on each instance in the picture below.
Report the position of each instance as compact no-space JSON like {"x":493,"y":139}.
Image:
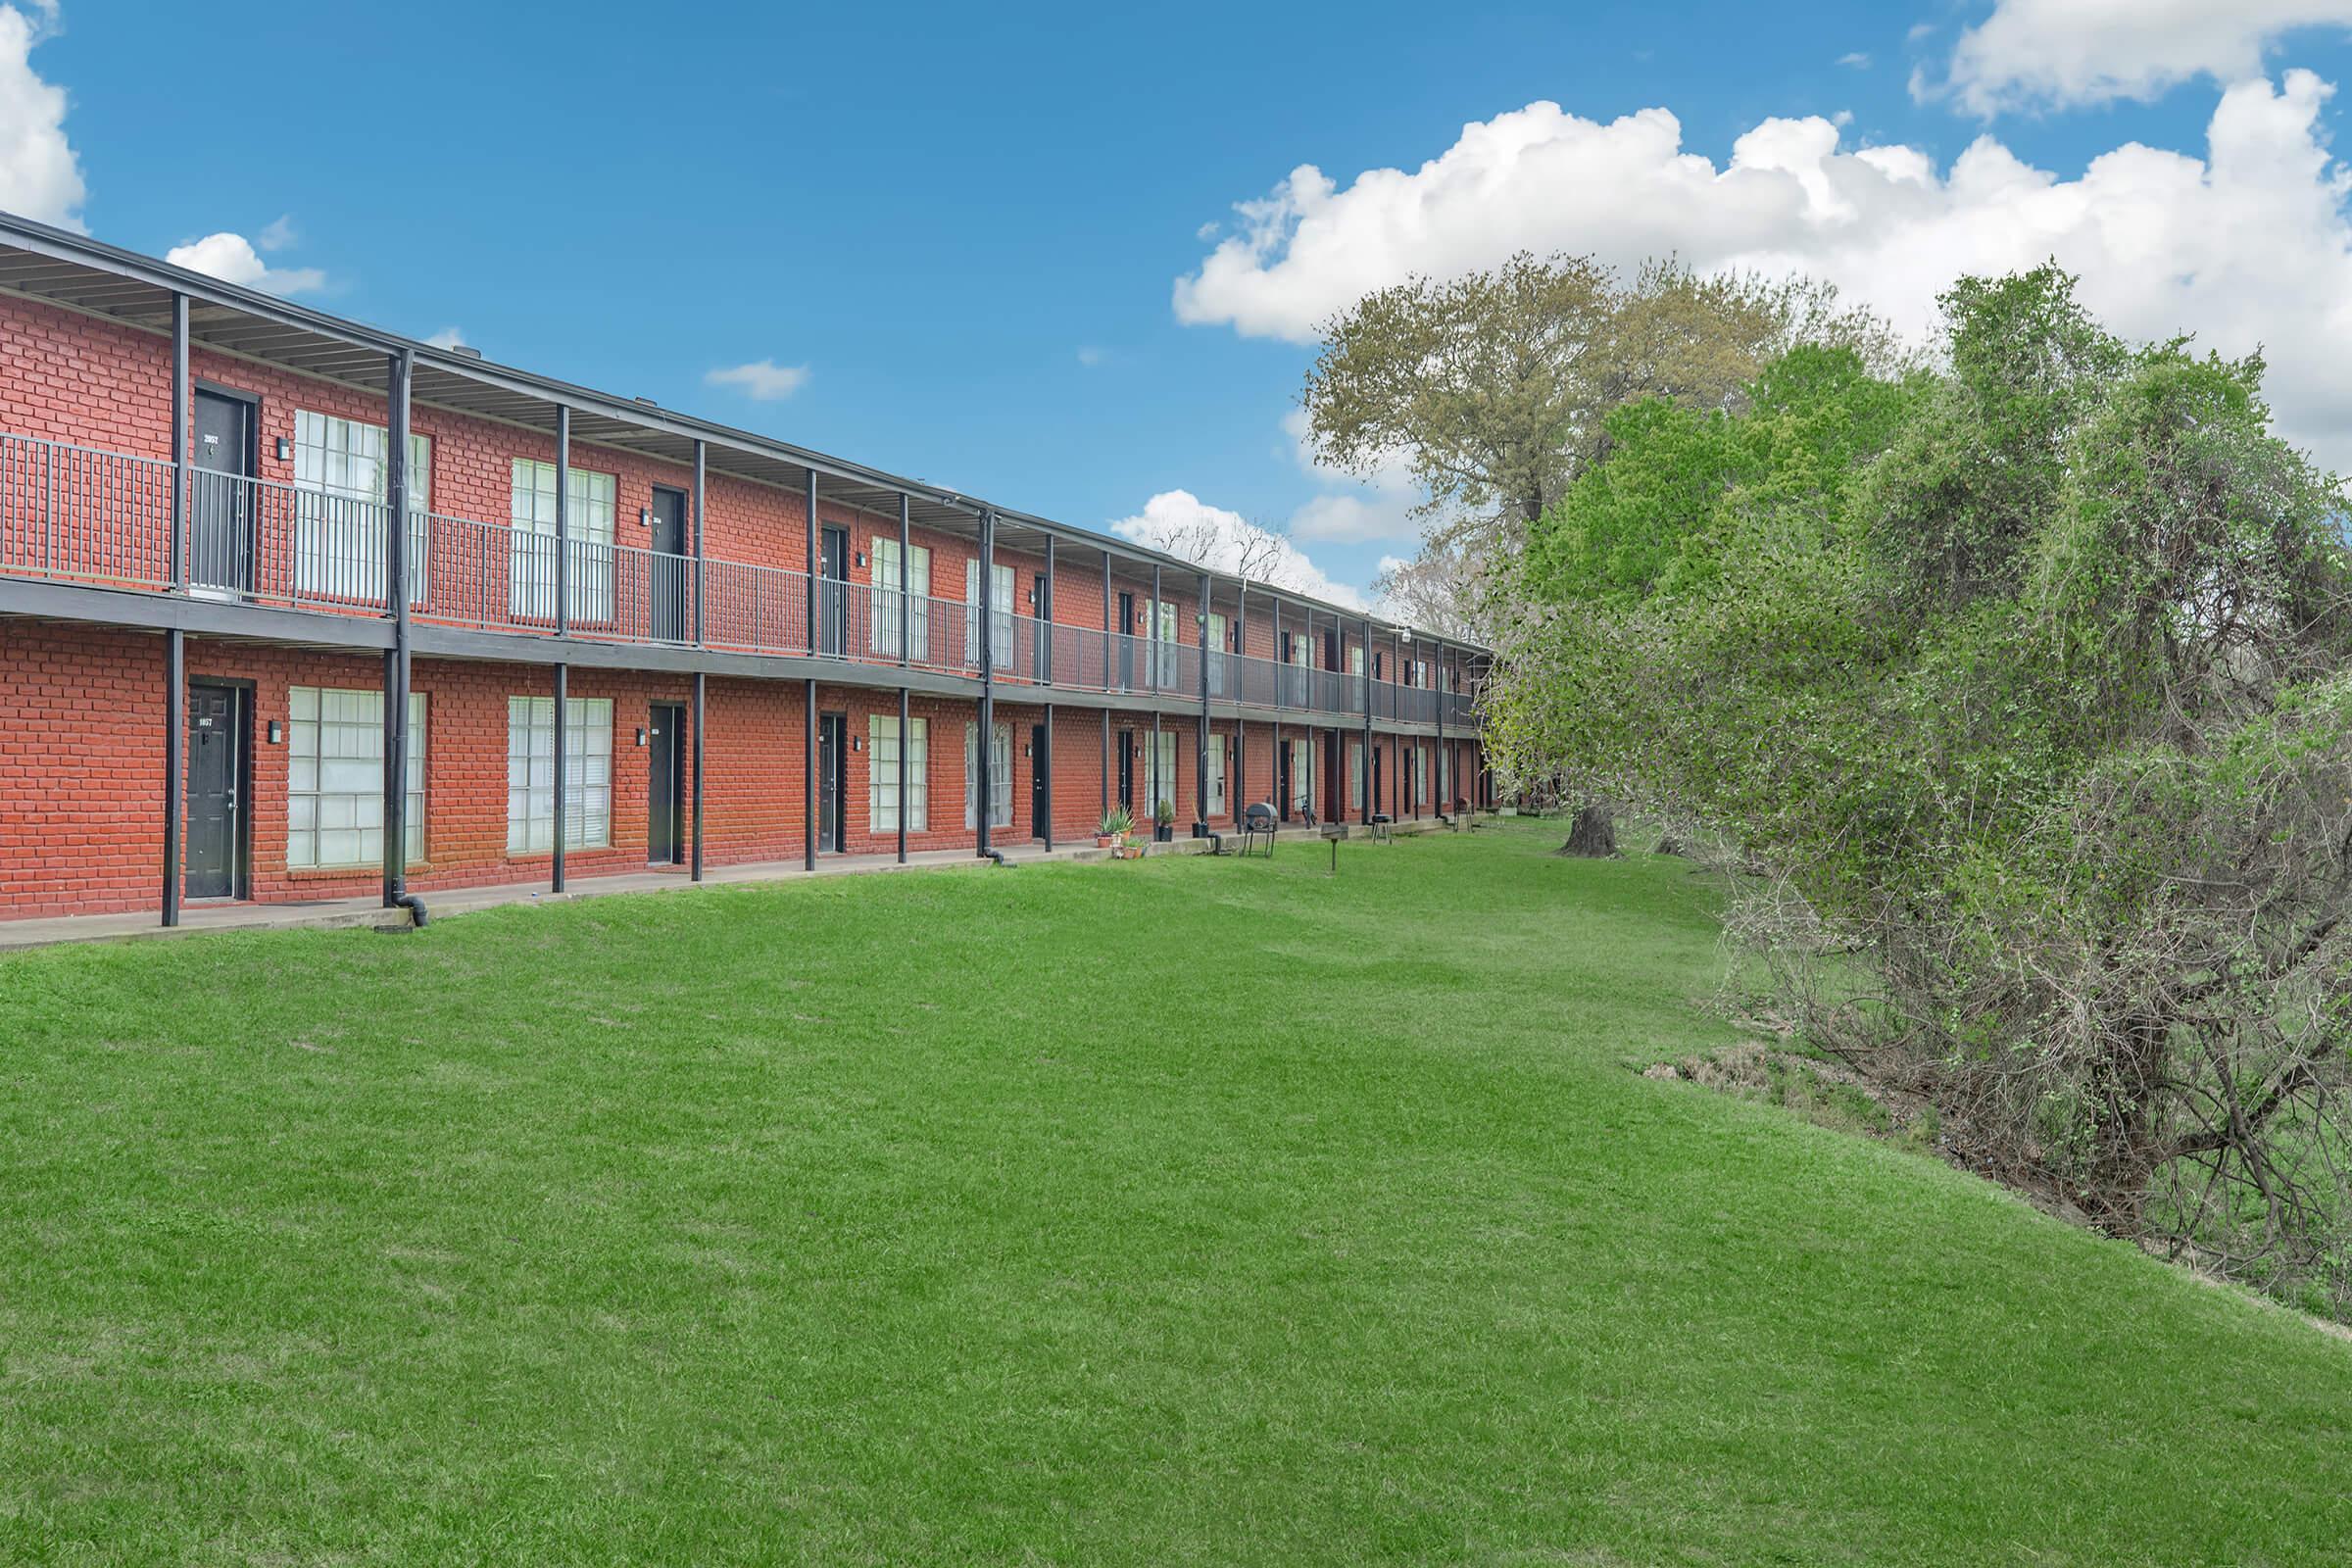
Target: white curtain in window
{"x":335,"y":777}
{"x":999,"y":775}
{"x":882,"y":789}
{"x":531,"y":773}
{"x":589,"y":520}
{"x":888,"y":585}
{"x":340,"y":480}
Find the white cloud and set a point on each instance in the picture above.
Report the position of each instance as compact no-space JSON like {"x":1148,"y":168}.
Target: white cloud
{"x":2247,"y":245}
{"x":1857,"y":59}
{"x":2055,"y":53}
{"x":1350,"y":511}
{"x":1180,"y":523}
{"x":39,"y":175}
{"x":763,"y":380}
{"x":278,"y":234}
{"x":1092,"y":357}
{"x":233,"y":259}
{"x":448,"y":337}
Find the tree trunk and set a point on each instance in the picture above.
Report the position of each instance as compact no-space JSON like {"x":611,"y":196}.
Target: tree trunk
{"x":1593,"y":833}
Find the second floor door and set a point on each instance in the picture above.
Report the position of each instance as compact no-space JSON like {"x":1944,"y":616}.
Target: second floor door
{"x":220,"y":507}
{"x":671,"y":581}
{"x":833,"y":594}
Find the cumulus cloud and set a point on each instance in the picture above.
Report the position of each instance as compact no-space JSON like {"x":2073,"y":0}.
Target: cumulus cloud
{"x":762,"y":380}
{"x":1857,"y":59}
{"x":2058,"y":53}
{"x":40,"y":178}
{"x":1093,"y":356}
{"x":1180,"y":523}
{"x":233,"y":259}
{"x":448,"y":337}
{"x":1379,"y":506}
{"x":2247,"y":245}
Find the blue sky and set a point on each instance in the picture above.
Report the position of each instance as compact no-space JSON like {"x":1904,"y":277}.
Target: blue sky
{"x":968,"y":223}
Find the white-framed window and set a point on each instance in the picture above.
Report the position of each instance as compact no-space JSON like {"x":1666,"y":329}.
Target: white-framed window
{"x":887,"y":584}
{"x":998,"y":610}
{"x":1444,"y":778}
{"x":1355,"y":660}
{"x":335,"y":777}
{"x":1303,"y":775}
{"x":1162,"y":780}
{"x":1216,"y":777}
{"x":1216,"y":654}
{"x":340,"y":477}
{"x":882,"y":781}
{"x":531,"y":773}
{"x":589,"y":506}
{"x":1355,"y":775}
{"x":1166,"y":635}
{"x":999,"y":775}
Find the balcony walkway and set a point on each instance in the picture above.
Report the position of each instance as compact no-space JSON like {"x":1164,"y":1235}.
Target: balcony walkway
{"x":329,"y":913}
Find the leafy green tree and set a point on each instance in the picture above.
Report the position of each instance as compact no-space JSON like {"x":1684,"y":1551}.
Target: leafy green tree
{"x":1495,"y":389}
{"x":2028,"y":683}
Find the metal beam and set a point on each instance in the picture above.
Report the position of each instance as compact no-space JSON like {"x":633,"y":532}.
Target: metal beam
{"x":696,"y":527}
{"x":902,"y":780}
{"x":700,"y":707}
{"x":562,"y":819}
{"x":986,"y":610}
{"x":1201,"y":763}
{"x":176,"y":742}
{"x":396,"y":658}
{"x":179,"y":441}
{"x":1365,"y":625}
{"x":808,"y":715}
{"x":562,"y":522}
{"x":1046,"y":763}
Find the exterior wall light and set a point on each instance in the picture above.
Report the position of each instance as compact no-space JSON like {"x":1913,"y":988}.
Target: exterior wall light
{"x":285,"y":449}
{"x":277,"y":732}
{"x":641,"y":734}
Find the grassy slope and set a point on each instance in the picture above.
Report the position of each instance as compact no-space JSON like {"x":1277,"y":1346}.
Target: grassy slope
{"x":1196,"y":1210}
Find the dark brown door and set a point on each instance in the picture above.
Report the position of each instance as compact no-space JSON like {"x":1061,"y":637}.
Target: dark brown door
{"x":213,"y":863}
{"x":832,"y":778}
{"x":666,"y":791}
{"x":220,"y":493}
{"x":669,"y":583}
{"x":833,"y":593}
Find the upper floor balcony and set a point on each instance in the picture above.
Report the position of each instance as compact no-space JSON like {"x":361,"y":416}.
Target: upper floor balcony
{"x":81,"y":515}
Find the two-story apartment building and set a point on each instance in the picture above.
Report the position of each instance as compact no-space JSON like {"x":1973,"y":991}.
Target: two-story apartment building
{"x":624,"y":637}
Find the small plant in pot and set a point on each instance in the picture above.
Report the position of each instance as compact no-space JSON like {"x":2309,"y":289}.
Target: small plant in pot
{"x":1163,"y":822}
{"x":1117,"y":823}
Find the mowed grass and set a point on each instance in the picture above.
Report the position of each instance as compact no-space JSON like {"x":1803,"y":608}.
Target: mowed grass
{"x":1193,"y":1212}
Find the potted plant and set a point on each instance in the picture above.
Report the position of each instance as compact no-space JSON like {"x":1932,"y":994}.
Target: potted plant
{"x":1117,"y":823}
{"x":1163,"y":822}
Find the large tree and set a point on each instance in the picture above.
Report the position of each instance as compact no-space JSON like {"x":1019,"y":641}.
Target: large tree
{"x":1495,"y":390}
{"x":2028,"y":683}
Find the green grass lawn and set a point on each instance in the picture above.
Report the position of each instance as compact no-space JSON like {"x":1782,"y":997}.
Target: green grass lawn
{"x":1192,"y":1212}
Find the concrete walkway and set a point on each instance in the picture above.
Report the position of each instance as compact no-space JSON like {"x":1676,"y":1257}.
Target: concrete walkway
{"x":322,"y":913}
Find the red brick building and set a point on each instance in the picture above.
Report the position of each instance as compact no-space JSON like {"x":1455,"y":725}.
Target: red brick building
{"x":205,"y":691}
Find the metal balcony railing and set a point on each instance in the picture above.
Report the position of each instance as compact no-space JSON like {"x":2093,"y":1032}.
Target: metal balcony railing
{"x":83,"y":515}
